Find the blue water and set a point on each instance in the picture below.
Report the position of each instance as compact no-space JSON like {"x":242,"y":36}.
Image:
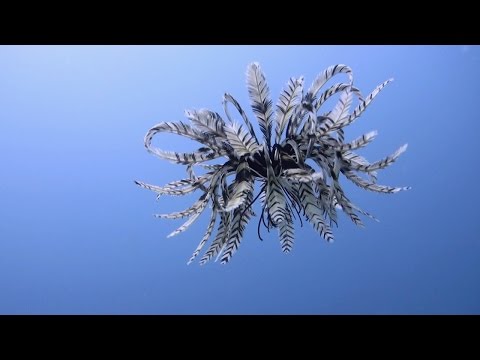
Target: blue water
{"x":78,"y":237}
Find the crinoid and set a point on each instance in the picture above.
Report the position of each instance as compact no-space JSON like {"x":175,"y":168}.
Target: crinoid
{"x":293,"y":132}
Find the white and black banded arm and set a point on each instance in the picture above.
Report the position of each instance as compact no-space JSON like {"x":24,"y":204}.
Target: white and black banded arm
{"x":287,"y":103}
{"x":260,"y":100}
{"x":361,"y":107}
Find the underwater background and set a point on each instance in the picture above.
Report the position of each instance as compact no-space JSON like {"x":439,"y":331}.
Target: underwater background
{"x":77,"y":236}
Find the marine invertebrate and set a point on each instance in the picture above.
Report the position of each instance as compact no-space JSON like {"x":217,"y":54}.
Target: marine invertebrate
{"x":297,"y":161}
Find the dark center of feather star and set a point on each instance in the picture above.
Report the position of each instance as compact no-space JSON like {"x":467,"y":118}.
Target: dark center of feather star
{"x":283,"y":161}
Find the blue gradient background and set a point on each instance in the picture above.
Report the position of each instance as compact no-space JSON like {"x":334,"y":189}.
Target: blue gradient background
{"x":78,"y":237}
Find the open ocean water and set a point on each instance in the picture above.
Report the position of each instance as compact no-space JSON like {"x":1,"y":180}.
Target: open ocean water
{"x":77,"y":236}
